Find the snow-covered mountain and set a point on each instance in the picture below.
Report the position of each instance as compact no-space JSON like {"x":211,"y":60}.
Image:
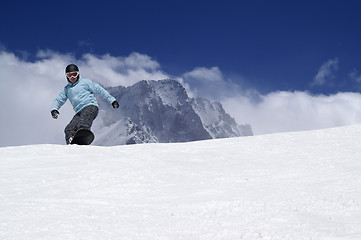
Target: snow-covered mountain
{"x":216,"y":121}
{"x":291,"y":186}
{"x":161,"y":111}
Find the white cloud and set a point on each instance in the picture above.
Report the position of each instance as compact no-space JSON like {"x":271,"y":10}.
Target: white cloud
{"x":325,"y":72}
{"x":295,"y":111}
{"x":85,"y":43}
{"x":25,"y":92}
{"x":354,"y":75}
{"x":279,"y":111}
{"x":207,"y":75}
{"x":209,"y":83}
{"x":125,"y":71}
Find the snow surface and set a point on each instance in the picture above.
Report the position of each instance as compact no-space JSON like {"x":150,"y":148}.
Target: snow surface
{"x":302,"y":185}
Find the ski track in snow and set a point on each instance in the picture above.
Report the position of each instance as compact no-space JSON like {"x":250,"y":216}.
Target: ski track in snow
{"x":301,"y":185}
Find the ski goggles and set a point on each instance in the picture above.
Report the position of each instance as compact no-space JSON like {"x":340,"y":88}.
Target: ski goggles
{"x":72,"y":74}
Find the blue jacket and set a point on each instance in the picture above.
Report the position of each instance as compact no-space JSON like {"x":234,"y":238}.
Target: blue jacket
{"x":81,"y":94}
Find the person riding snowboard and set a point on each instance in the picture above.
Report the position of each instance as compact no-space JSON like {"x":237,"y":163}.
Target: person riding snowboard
{"x":80,"y":92}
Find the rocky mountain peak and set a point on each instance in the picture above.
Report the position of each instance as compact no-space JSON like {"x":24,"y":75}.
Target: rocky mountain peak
{"x":161,"y":111}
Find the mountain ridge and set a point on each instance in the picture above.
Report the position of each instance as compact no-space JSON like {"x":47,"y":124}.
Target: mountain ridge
{"x":161,"y":111}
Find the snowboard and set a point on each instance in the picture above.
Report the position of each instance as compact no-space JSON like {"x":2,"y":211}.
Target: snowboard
{"x":83,"y":137}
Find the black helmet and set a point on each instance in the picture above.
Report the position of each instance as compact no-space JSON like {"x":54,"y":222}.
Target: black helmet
{"x":71,"y":68}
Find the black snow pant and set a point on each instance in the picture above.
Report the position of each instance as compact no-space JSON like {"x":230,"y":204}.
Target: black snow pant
{"x":82,"y":120}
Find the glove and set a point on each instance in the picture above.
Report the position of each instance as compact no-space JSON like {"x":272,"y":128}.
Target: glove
{"x":54,"y":114}
{"x":115,"y":104}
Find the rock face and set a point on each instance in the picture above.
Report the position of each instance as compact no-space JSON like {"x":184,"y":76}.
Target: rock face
{"x":217,"y":122}
{"x":161,"y":111}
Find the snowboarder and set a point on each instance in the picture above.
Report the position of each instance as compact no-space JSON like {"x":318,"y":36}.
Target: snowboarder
{"x":80,"y":92}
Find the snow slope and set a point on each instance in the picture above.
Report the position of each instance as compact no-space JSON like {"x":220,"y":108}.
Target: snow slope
{"x":302,"y":185}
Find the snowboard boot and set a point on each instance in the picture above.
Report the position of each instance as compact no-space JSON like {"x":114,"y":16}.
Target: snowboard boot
{"x":68,"y":142}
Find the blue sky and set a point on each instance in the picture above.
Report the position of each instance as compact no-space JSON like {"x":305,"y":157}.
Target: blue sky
{"x":266,"y":45}
{"x":277,"y":65}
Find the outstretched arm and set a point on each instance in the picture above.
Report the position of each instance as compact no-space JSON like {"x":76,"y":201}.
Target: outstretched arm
{"x":96,"y":88}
